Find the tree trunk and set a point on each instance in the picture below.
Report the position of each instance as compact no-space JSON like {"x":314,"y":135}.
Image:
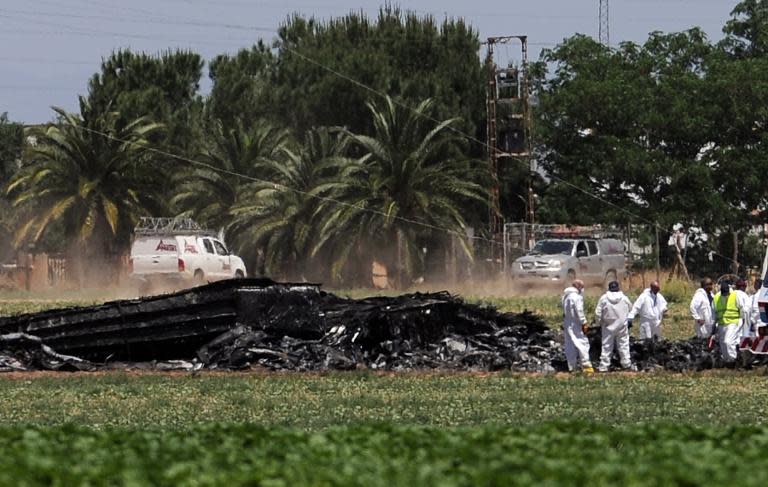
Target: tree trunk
{"x":399,"y":264}
{"x":735,"y":261}
{"x":75,"y":262}
{"x":682,"y":270}
{"x":644,"y":265}
{"x":679,"y":269}
{"x":658,"y":256}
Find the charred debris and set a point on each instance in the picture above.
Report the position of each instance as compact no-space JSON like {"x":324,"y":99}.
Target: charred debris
{"x":245,"y":323}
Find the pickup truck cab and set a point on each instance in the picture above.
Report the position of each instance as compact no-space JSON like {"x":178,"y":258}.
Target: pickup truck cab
{"x":184,"y":259}
{"x":595,"y":261}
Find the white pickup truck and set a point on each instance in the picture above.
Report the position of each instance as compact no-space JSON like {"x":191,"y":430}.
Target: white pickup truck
{"x":182,"y":259}
{"x":595,"y":261}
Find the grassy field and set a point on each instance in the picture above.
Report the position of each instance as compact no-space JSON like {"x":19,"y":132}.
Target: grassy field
{"x":677,"y":323}
{"x":311,"y":401}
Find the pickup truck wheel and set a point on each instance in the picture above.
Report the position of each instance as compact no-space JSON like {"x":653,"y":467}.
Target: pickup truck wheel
{"x":609,"y":277}
{"x":199,"y":277}
{"x":571,"y":276}
{"x":239,"y":274}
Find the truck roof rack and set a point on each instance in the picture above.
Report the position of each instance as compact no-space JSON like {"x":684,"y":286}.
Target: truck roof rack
{"x":148,"y":226}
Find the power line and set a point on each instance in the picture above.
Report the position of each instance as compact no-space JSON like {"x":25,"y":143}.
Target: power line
{"x":483,"y":143}
{"x":455,"y":130}
{"x":288,"y":188}
{"x":95,"y":34}
{"x":32,"y":88}
{"x":46,"y":61}
{"x":328,"y":199}
{"x":402,"y":105}
{"x":105,"y":8}
{"x":141,"y":21}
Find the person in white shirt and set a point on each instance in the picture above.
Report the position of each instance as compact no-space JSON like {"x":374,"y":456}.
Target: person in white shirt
{"x":702,"y":310}
{"x":611,"y":314}
{"x":649,"y":308}
{"x":574,"y":327}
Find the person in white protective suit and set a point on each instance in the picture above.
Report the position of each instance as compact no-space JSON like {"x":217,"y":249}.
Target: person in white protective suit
{"x":745,"y":301}
{"x":749,"y":329}
{"x":730,"y":310}
{"x":574,"y":328}
{"x":649,"y":308}
{"x":611,"y":314}
{"x":702,"y":310}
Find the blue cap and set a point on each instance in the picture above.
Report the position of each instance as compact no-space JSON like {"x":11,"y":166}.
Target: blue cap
{"x":725,"y":288}
{"x":613,"y":286}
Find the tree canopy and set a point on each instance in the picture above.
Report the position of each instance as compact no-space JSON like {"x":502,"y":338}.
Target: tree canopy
{"x":309,"y":80}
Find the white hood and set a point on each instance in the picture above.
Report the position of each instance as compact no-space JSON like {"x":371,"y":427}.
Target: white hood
{"x":570,"y":290}
{"x":614,"y":297}
{"x":650,"y":293}
{"x":567,"y":292}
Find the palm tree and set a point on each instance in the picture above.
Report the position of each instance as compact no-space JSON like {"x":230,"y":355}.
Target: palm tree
{"x":275,"y":216}
{"x":207,"y":193}
{"x":92,"y":176}
{"x":409,"y":189}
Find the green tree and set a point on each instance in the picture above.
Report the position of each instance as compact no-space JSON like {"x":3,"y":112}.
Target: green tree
{"x":747,"y":30}
{"x":629,"y":126}
{"x":405,"y":55}
{"x":738,"y":92}
{"x":208,"y":191}
{"x":275,"y":217}
{"x":408,"y":189}
{"x":164,"y":87}
{"x":97,"y":186}
{"x":11,"y":148}
{"x":241,"y":86}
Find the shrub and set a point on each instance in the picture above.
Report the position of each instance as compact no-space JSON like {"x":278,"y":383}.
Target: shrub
{"x":678,"y":290}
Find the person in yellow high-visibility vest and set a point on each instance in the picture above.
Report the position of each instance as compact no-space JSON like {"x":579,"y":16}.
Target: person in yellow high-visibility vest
{"x":728,"y":312}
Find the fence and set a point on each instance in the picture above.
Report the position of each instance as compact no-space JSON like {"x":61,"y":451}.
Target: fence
{"x":35,"y":272}
{"x":57,"y":270}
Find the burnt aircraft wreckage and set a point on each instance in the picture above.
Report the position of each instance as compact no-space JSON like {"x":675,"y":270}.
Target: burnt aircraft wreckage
{"x":245,"y":323}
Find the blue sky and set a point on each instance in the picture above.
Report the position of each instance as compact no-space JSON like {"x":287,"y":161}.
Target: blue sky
{"x":49,"y":48}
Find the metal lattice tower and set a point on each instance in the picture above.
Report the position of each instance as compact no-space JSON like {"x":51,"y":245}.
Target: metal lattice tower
{"x":604,"y":27}
{"x":509,"y":127}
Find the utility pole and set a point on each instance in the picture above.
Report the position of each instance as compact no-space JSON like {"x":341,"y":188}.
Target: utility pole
{"x":604,"y":33}
{"x":508,"y":128}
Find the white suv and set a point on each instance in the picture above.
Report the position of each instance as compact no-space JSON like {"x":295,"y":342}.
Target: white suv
{"x":183,"y":259}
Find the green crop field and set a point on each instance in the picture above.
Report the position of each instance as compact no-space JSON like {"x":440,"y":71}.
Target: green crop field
{"x":386,"y":455}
